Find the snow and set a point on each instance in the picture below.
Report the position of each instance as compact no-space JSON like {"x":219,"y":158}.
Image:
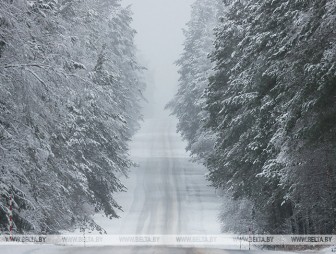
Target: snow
{"x":165,"y":187}
{"x":33,"y":249}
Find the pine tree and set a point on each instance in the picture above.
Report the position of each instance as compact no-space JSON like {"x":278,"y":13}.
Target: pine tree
{"x":194,"y":68}
{"x":70,"y":92}
{"x":262,"y":101}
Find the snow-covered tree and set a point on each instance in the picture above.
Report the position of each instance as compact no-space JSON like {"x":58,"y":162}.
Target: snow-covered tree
{"x":270,"y":102}
{"x":70,"y":93}
{"x":194,"y":69}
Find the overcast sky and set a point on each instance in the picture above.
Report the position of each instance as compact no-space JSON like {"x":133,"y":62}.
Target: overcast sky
{"x":159,"y":39}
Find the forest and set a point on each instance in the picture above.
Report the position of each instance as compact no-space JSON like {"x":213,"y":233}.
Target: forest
{"x":71,"y":88}
{"x":257,"y":106}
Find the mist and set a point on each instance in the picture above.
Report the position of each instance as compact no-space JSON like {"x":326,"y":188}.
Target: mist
{"x":159,"y":39}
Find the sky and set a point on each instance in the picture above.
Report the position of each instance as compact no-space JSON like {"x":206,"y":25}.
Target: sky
{"x":159,"y":39}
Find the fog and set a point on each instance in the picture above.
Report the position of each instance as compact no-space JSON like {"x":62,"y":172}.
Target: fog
{"x":159,"y":40}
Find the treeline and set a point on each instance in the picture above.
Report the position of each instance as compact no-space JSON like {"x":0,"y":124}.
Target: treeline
{"x":70,"y":90}
{"x":257,"y":105}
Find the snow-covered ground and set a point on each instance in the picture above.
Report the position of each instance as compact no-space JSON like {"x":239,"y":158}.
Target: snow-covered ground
{"x":124,"y":250}
{"x":167,"y":194}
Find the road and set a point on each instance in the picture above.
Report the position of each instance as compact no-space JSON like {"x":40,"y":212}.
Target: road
{"x":167,"y":194}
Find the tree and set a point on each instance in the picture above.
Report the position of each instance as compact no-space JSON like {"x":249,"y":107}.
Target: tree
{"x":194,"y":68}
{"x":69,"y":105}
{"x":262,"y":103}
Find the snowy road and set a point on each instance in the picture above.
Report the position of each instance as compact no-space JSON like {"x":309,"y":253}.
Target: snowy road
{"x":167,"y":194}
